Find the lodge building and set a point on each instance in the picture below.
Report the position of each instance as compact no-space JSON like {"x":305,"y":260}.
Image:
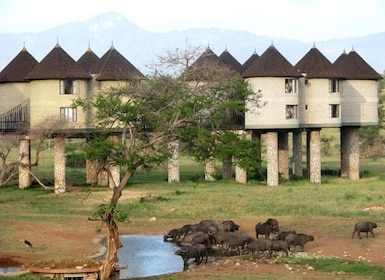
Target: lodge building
{"x":301,"y":98}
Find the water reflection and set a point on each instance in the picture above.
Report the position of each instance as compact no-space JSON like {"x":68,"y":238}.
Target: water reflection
{"x":147,"y":255}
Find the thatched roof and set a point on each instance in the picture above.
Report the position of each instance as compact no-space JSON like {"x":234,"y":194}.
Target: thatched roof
{"x":353,"y":67}
{"x":113,"y":66}
{"x":314,"y":65}
{"x":271,"y":64}
{"x":57,"y":65}
{"x":205,"y":67}
{"x":249,"y":61}
{"x":230,"y":61}
{"x":88,"y":59}
{"x":18,"y":68}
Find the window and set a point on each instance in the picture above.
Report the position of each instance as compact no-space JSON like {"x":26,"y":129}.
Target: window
{"x":335,"y":85}
{"x":290,"y":85}
{"x":68,"y":86}
{"x":291,"y":111}
{"x":68,"y":114}
{"x":334,"y":110}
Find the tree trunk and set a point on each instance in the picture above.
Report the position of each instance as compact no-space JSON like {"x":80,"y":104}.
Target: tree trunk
{"x":113,"y":239}
{"x":113,"y":245}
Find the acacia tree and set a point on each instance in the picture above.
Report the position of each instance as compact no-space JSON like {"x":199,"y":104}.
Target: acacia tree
{"x":9,"y":166}
{"x":149,"y":115}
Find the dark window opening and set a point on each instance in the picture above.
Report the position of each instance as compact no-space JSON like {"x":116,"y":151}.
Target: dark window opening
{"x":68,"y":86}
{"x":334,"y":111}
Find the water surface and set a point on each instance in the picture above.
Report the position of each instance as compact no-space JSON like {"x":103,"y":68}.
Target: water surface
{"x":147,"y":255}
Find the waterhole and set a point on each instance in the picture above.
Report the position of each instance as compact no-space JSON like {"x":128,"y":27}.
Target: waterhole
{"x":10,"y":269}
{"x":147,"y":255}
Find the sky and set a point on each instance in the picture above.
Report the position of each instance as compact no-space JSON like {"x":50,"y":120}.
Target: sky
{"x":304,"y":20}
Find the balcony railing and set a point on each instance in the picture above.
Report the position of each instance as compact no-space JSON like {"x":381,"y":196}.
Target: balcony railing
{"x":17,"y":119}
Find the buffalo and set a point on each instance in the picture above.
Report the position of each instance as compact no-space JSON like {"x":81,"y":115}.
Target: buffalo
{"x":270,"y":226}
{"x":364,"y":227}
{"x":299,"y":239}
{"x":230,"y":226}
{"x":197,"y":252}
{"x":258,"y":245}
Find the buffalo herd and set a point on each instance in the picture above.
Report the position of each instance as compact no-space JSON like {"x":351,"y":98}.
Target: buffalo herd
{"x":223,"y":238}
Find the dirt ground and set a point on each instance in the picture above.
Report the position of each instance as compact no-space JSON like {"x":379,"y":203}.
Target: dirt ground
{"x":329,"y":240}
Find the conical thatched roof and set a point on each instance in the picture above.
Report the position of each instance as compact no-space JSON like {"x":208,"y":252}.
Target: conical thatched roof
{"x":18,"y":68}
{"x":249,"y":61}
{"x":88,"y":60}
{"x":230,"y":61}
{"x":271,"y":64}
{"x":205,"y":67}
{"x":113,"y":66}
{"x":353,"y":67}
{"x":314,"y":65}
{"x":57,"y":65}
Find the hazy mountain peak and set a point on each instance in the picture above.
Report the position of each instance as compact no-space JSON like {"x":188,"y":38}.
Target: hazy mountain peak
{"x":142,"y":47}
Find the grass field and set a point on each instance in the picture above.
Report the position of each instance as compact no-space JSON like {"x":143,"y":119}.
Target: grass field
{"x":339,"y":202}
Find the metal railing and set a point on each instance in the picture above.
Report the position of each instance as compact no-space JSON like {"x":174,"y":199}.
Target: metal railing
{"x":17,"y":119}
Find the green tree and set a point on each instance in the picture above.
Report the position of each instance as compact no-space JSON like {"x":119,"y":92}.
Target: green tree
{"x":149,"y":114}
{"x":371,"y":137}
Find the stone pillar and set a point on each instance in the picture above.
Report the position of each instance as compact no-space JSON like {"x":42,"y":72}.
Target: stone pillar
{"x":114,"y":176}
{"x":92,"y":168}
{"x":272,"y":158}
{"x":344,"y":153}
{"x":297,"y":153}
{"x":240,"y":175}
{"x":315,"y":156}
{"x":114,"y":170}
{"x":25,"y":160}
{"x":227,"y":168}
{"x":102,"y":177}
{"x":173,"y":162}
{"x":210,"y":169}
{"x":283,"y":155}
{"x":350,"y":153}
{"x":60,"y":165}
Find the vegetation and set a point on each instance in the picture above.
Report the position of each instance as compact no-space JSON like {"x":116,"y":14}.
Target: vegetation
{"x":296,"y":199}
{"x":153,"y":114}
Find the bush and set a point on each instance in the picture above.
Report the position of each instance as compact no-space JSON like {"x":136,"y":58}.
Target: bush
{"x":76,"y":160}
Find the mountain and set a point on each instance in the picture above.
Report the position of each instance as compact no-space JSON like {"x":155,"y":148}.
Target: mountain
{"x":142,"y":47}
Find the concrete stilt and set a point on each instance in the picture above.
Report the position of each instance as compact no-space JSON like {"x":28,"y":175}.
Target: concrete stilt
{"x":60,"y":165}
{"x":114,"y":175}
{"x":102,"y":177}
{"x":25,"y":160}
{"x":272,"y":158}
{"x":315,"y":156}
{"x":173,"y":162}
{"x":240,"y":175}
{"x":350,"y":153}
{"x":210,"y":170}
{"x":92,"y":171}
{"x":297,"y":153}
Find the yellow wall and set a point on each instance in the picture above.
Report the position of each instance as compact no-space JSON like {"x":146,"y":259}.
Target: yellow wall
{"x":46,"y":101}
{"x":13,"y":94}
